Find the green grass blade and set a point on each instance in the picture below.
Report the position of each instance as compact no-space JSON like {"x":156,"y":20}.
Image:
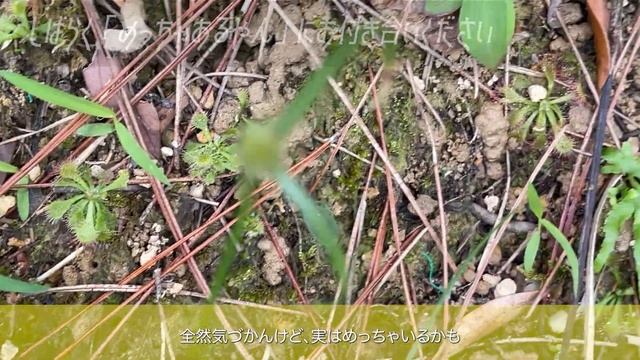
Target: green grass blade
{"x":5,"y":167}
{"x":319,"y":221}
{"x":486,"y":28}
{"x":440,"y":7}
{"x":12,"y":285}
{"x":95,"y":130}
{"x":618,"y":214}
{"x":636,"y":244}
{"x":535,"y":204}
{"x":55,"y":96}
{"x":138,"y":154}
{"x":572,"y":259}
{"x":531,"y":251}
{"x":22,"y":200}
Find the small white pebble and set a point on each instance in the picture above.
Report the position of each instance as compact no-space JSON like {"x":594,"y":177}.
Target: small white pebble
{"x":175,"y":288}
{"x":537,"y":93}
{"x":492,"y":202}
{"x":197,"y":191}
{"x":156,"y":228}
{"x":97,"y":171}
{"x":154,"y":240}
{"x":469,"y":275}
{"x":148,"y":255}
{"x":558,"y":321}
{"x":504,"y":288}
{"x":496,"y":256}
{"x":336,"y":173}
{"x":265,"y":245}
{"x":166,"y":151}
{"x":492,"y":280}
{"x":34,"y":173}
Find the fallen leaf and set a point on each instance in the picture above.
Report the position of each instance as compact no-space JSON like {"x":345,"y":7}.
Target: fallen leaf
{"x":99,"y":73}
{"x":599,"y":19}
{"x":485,"y":320}
{"x":150,"y":127}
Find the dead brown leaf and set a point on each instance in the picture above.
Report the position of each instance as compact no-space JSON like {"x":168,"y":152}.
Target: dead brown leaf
{"x":599,"y":19}
{"x":150,"y":127}
{"x":99,"y":73}
{"x":485,"y":320}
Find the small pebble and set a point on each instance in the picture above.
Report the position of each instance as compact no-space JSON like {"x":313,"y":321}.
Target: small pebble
{"x":157,"y":228}
{"x":537,"y":93}
{"x":492,"y":202}
{"x":425,"y":203}
{"x":197,"y":191}
{"x":492,"y":280}
{"x":483,"y":288}
{"x":34,"y":173}
{"x":148,"y":255}
{"x":336,"y":173}
{"x":175,"y":288}
{"x":504,"y":288}
{"x":166,"y":151}
{"x":97,"y":171}
{"x":496,"y":256}
{"x":469,"y":275}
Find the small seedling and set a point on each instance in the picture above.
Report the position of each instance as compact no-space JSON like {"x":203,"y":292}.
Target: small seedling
{"x":537,"y":208}
{"x":211,"y":156}
{"x":87,"y":214}
{"x":14,"y":24}
{"x":624,"y":200}
{"x":540,"y":110}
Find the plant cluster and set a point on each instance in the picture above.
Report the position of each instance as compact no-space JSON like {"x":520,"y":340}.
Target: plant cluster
{"x":210,"y":157}
{"x":541,"y":110}
{"x":624,"y":200}
{"x":87,"y":213}
{"x":15,"y":25}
